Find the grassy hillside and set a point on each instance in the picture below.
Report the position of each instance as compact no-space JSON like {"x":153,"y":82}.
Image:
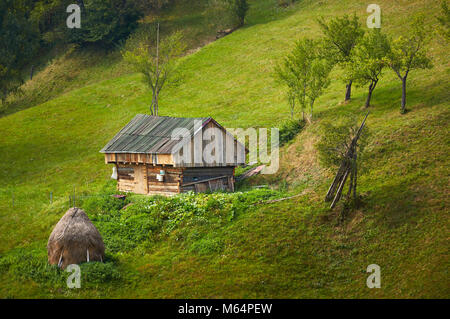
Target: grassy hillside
{"x":288,"y":249}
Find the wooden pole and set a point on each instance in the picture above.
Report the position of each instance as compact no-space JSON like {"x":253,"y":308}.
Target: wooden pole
{"x":355,"y":157}
{"x":348,"y":165}
{"x":157,"y":71}
{"x":339,"y":191}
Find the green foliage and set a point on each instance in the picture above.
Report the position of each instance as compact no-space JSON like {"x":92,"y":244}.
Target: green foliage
{"x":444,"y":20}
{"x":18,"y":45}
{"x":31,"y":264}
{"x":336,"y":137}
{"x":149,"y":219}
{"x":367,"y":60}
{"x":95,"y":273}
{"x":305,"y":72}
{"x":105,"y":22}
{"x":104,"y":203}
{"x":240,"y":9}
{"x":225,"y":13}
{"x":289,"y":130}
{"x":409,"y":52}
{"x":341,"y":36}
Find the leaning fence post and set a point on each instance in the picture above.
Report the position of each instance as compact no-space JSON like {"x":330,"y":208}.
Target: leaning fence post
{"x":51,"y":198}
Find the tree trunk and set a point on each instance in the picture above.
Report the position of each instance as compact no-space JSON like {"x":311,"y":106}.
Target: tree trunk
{"x":348,"y":92}
{"x":355,"y":158}
{"x":403,"y":110}
{"x":369,"y":96}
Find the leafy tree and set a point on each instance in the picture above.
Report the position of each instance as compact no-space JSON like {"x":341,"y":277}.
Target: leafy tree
{"x":19,"y":43}
{"x":105,"y":22}
{"x":318,"y":79}
{"x":305,"y":71}
{"x":226,"y":12}
{"x":408,"y":53}
{"x":368,"y":60}
{"x":240,"y":9}
{"x":159,"y":66}
{"x":341,"y":36}
{"x":294,"y":73}
{"x":444,"y":20}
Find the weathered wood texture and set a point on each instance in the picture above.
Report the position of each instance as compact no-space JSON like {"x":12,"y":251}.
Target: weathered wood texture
{"x":142,"y":179}
{"x":215,"y":147}
{"x":155,"y":159}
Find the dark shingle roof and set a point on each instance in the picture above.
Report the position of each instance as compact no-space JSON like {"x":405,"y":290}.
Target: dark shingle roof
{"x":150,"y":134}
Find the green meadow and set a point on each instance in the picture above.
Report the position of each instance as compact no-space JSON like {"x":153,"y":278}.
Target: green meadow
{"x":231,"y":245}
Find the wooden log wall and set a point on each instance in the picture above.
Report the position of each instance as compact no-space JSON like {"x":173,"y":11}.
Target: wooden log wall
{"x":142,"y":179}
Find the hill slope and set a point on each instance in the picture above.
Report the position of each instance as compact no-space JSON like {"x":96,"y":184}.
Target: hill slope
{"x":288,"y":249}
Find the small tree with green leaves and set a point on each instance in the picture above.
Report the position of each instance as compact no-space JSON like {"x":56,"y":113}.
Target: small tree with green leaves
{"x":305,"y":72}
{"x":409,"y":52}
{"x":159,"y":66}
{"x":225,"y":12}
{"x":367,"y":61}
{"x":341,"y":36}
{"x":240,"y":9}
{"x":318,"y":80}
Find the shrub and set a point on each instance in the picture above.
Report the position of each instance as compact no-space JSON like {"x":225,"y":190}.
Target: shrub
{"x":152,"y":218}
{"x":97,"y":273}
{"x":25,"y":264}
{"x":105,"y":22}
{"x":289,"y":130}
{"x":336,"y":138}
{"x":225,"y":13}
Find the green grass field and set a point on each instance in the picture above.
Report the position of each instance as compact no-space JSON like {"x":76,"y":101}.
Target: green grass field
{"x":290,"y":249}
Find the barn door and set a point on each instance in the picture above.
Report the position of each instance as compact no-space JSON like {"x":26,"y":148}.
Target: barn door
{"x":140,"y":179}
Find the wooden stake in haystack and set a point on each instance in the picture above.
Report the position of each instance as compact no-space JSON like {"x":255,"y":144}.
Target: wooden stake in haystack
{"x":348,"y":168}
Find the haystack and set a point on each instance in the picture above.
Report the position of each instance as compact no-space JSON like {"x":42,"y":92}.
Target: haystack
{"x":75,"y":240}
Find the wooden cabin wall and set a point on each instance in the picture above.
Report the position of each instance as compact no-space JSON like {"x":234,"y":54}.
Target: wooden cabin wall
{"x":171,"y":183}
{"x":233,"y":153}
{"x":203,"y":179}
{"x":141,"y":179}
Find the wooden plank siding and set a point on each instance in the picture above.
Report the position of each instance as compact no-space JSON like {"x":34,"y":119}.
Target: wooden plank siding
{"x":141,"y":179}
{"x":231,"y":152}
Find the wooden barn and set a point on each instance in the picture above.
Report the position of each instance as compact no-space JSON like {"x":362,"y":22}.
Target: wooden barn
{"x":168,"y":155}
